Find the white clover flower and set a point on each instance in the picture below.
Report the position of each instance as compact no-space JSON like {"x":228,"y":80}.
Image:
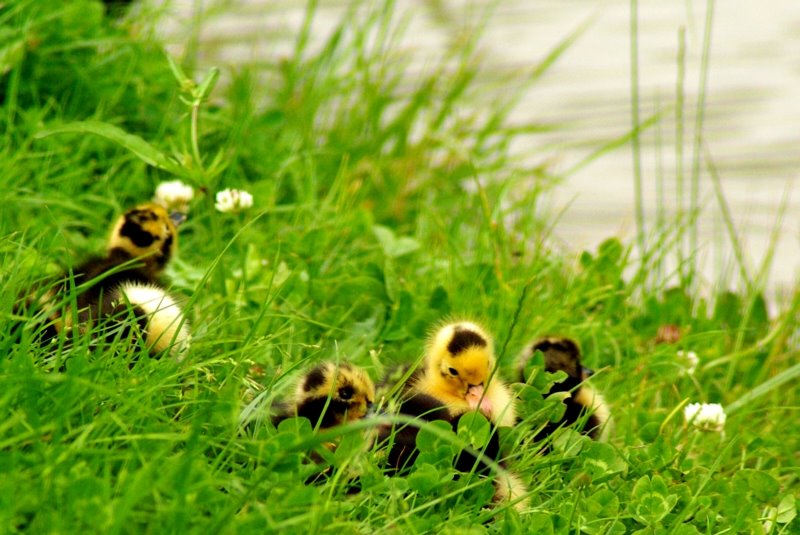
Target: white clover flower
{"x":174,"y":194}
{"x":705,"y":416}
{"x":233,"y":200}
{"x":690,"y":361}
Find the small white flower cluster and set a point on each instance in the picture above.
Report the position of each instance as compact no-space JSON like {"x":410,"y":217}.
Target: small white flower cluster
{"x":705,"y":416}
{"x":233,"y":200}
{"x":174,"y":195}
{"x":690,"y":361}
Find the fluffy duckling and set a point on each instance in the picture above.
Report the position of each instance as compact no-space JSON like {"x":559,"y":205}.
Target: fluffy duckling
{"x":330,"y":394}
{"x":125,"y":283}
{"x":563,"y":354}
{"x":458,"y":363}
{"x":456,"y":378}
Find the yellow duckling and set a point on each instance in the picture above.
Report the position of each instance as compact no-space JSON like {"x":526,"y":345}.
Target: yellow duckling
{"x":456,"y":378}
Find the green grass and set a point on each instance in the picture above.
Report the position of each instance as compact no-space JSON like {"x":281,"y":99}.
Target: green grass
{"x":362,"y":237}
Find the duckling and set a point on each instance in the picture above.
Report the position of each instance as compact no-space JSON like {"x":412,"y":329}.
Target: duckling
{"x":330,"y":394}
{"x":456,"y":378}
{"x":125,"y":283}
{"x":563,"y":354}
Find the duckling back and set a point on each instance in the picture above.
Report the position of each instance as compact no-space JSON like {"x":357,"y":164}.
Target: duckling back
{"x":402,"y":439}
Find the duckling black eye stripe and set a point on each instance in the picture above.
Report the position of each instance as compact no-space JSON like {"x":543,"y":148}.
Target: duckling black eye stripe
{"x":542,"y":346}
{"x":464,"y":339}
{"x":566,"y":347}
{"x":314,"y":379}
{"x":139,"y":236}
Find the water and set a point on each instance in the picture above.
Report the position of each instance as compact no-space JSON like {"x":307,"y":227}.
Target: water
{"x":752,"y":112}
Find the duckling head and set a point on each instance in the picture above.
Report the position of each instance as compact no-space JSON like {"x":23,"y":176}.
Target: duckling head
{"x":563,"y":354}
{"x":351,"y":391}
{"x":560,"y":354}
{"x":147,"y":231}
{"x":459,"y":361}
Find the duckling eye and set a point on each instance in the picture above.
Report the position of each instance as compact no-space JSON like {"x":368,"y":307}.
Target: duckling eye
{"x":453,"y":371}
{"x":346,"y":392}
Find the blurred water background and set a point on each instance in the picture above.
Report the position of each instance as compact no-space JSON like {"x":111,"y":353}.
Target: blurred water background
{"x":751,"y":126}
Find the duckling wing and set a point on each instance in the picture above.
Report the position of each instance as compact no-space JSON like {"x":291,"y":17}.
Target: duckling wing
{"x":320,"y":410}
{"x":402,"y":438}
{"x":467,"y":462}
{"x":104,"y":275}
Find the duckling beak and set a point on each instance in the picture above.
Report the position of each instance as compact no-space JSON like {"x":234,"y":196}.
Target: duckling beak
{"x":475,"y":389}
{"x":370,"y":410}
{"x":474,"y":395}
{"x":177,"y":218}
{"x":587,"y":372}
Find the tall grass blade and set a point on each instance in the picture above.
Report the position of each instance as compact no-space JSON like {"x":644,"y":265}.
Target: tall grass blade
{"x":790,"y":374}
{"x":635,"y":129}
{"x":694,"y":199}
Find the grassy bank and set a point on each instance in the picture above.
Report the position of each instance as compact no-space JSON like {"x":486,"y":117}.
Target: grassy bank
{"x":383,"y":204}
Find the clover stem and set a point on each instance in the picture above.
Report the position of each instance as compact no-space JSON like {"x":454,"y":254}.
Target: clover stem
{"x":195,"y":143}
